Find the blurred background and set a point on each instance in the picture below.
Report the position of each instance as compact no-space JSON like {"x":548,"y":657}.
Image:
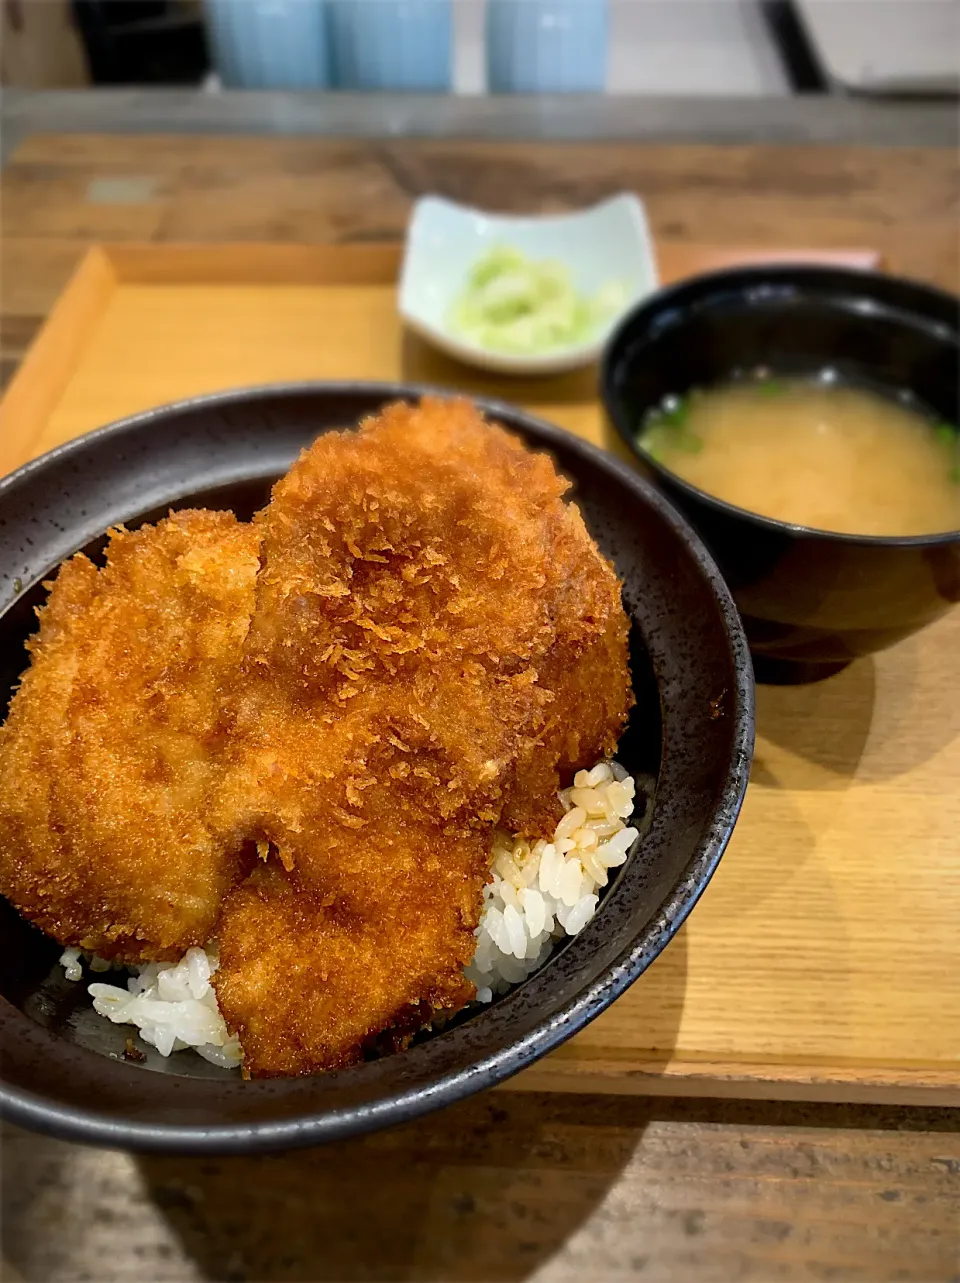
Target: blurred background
{"x":739,"y":48}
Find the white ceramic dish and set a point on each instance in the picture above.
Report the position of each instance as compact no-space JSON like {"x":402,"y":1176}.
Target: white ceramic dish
{"x":608,"y":242}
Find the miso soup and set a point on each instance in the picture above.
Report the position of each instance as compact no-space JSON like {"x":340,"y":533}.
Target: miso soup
{"x":815,"y":454}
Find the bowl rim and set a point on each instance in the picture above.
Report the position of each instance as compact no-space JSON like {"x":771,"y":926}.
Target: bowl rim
{"x":404,"y":1103}
{"x":757,"y":276}
{"x":556,"y":360}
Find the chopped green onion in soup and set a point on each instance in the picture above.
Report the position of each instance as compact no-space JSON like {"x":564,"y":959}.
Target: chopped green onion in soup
{"x":665,"y":428}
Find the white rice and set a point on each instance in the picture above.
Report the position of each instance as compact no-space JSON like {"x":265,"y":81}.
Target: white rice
{"x":542,"y":893}
{"x":172,"y":1004}
{"x":536,"y":896}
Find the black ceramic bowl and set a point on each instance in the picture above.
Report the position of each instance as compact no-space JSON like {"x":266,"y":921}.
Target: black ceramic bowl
{"x":810,"y":600}
{"x":62,"y":1066}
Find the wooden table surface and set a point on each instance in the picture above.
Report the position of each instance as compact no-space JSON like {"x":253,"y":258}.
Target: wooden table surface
{"x":507,"y":1186}
{"x":63,"y":192}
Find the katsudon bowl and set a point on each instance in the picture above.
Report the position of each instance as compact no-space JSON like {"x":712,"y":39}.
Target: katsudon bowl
{"x":67,"y":1071}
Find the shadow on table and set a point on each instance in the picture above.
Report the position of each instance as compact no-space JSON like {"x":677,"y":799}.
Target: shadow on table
{"x":422,"y":363}
{"x":825,"y":725}
{"x":487,"y":1189}
{"x":860,"y":725}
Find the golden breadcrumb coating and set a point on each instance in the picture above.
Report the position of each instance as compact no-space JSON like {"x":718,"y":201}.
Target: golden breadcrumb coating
{"x":430,"y":613}
{"x":298,"y":735}
{"x":109,"y":759}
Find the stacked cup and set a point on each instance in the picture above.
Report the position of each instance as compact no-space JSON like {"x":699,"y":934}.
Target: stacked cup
{"x":546,"y":46}
{"x":269,"y":44}
{"x":532,"y":46}
{"x":391,"y":44}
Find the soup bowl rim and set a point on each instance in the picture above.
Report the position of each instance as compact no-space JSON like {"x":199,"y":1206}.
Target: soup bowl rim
{"x":747,"y":277}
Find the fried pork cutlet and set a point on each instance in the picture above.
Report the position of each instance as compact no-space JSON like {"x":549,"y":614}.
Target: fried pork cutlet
{"x":584,"y":670}
{"x":109,"y":759}
{"x":314,"y":981}
{"x":415,"y":641}
{"x":379,"y":892}
{"x":430,"y":615}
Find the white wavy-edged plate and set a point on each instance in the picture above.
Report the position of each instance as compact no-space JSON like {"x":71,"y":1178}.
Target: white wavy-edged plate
{"x":608,"y":242}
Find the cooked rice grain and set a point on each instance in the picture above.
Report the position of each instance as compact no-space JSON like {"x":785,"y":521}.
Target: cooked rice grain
{"x":540,"y":894}
{"x":173,"y":1005}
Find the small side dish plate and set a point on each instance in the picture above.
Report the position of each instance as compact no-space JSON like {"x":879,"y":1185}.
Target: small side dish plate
{"x":609,"y":242}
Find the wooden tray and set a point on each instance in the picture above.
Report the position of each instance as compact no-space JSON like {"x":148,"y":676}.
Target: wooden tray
{"x":824,"y":959}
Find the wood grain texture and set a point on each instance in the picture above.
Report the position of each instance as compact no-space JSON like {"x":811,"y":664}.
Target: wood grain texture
{"x":45,"y":370}
{"x":315,"y":190}
{"x":823,"y":961}
{"x":188,"y":319}
{"x":902,"y":201}
{"x":506,"y":1187}
{"x":521,"y":1185}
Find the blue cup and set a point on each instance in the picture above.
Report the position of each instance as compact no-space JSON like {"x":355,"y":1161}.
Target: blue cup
{"x":546,"y":46}
{"x":391,"y":44}
{"x":269,"y":44}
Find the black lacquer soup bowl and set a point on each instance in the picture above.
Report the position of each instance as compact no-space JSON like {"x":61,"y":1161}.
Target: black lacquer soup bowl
{"x":810,"y":600}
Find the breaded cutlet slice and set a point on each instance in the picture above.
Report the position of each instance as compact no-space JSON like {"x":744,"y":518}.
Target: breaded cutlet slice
{"x":311,"y":982}
{"x":431,"y":625}
{"x":110,"y":755}
{"x":416,"y":640}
